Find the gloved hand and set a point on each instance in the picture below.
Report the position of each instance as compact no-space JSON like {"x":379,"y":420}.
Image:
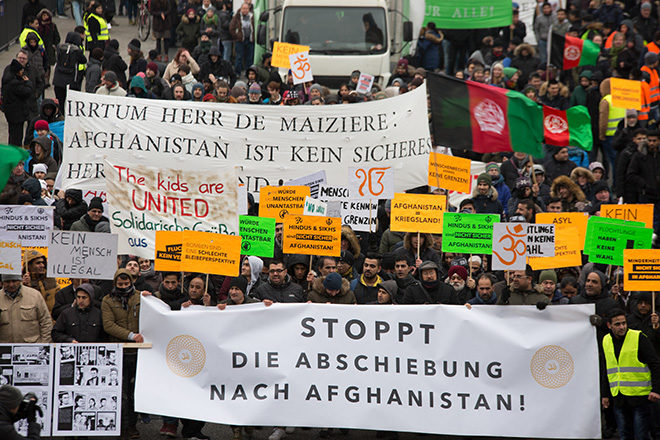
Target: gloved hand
{"x":541,"y":305}
{"x":596,"y":320}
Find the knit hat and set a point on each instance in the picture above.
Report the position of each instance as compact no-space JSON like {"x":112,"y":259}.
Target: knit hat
{"x":420,"y":71}
{"x":175,"y":77}
{"x":15,"y":66}
{"x":237,"y":91}
{"x":198,"y":85}
{"x":255,"y":88}
{"x":153,"y":67}
{"x":190,"y":10}
{"x":538,"y":169}
{"x":241,"y":84}
{"x":11,"y":277}
{"x":484,"y":178}
{"x":39,"y":167}
{"x":87,"y":288}
{"x":239,"y":282}
{"x":492,"y":166}
{"x":402,"y":62}
{"x":10,"y":397}
{"x":41,"y":125}
{"x":586,"y":74}
{"x":458,"y":270}
{"x":135,"y":45}
{"x":650,"y":58}
{"x":645,"y":6}
{"x":110,"y":76}
{"x":390,"y":287}
{"x":332,"y":281}
{"x":209,"y":98}
{"x":347,"y":257}
{"x":594,"y":165}
{"x":96,"y":203}
{"x":214,"y":51}
{"x":632,"y":111}
{"x":548,"y":275}
{"x":523,"y":182}
{"x":601,"y":275}
{"x":599,"y":186}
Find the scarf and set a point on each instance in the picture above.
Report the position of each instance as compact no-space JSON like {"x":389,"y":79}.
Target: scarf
{"x":123,"y":295}
{"x":148,"y":273}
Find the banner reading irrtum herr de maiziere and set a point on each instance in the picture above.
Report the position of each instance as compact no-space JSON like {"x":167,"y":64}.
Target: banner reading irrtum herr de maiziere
{"x":272,"y":144}
{"x":144,"y":200}
{"x":431,"y":369}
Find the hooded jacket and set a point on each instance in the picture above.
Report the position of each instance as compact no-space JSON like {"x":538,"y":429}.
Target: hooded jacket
{"x":138,"y":82}
{"x":55,"y":125}
{"x":409,"y":289}
{"x":46,"y":145}
{"x":570,"y":204}
{"x":66,"y":215}
{"x":114,"y":62}
{"x":16,"y":94}
{"x":348,"y":234}
{"x":47,"y":286}
{"x":49,"y":35}
{"x":435,"y":292}
{"x":33,"y":187}
{"x":220,"y":69}
{"x":71,"y":50}
{"x":287,"y":292}
{"x":426,"y":252}
{"x":82,"y":325}
{"x":188,"y":32}
{"x":526,"y":64}
{"x":318,"y":293}
{"x":487,"y":204}
{"x":256,"y":266}
{"x":644,"y":174}
{"x":291,"y":261}
{"x":554,"y":168}
{"x":93,"y":75}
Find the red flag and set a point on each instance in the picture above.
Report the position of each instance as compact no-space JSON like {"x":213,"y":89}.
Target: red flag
{"x":555,"y":127}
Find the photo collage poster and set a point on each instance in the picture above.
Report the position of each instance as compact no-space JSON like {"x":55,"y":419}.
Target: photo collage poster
{"x":87,"y":392}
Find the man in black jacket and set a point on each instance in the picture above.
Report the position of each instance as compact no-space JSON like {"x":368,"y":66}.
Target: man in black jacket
{"x":433,"y":290}
{"x":16,"y":92}
{"x":279,"y":287}
{"x":82,"y":322}
{"x":10,"y":401}
{"x":408,"y":287}
{"x":644,"y":174}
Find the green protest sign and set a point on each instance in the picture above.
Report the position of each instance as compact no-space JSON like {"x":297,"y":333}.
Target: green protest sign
{"x":258,"y":234}
{"x":468,"y":14}
{"x":589,"y":242}
{"x":468,"y":233}
{"x":608,"y":240}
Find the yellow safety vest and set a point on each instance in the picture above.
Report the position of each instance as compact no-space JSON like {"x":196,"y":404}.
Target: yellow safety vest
{"x":626,"y":374}
{"x":104,"y":34}
{"x":615,"y":115}
{"x":22,"y":39}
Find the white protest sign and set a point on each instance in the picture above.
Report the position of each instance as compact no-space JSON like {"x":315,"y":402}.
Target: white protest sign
{"x":301,"y":68}
{"x":371,"y":182}
{"x":360,"y":215}
{"x":365,"y":82}
{"x":333,"y":193}
{"x":421,"y":368}
{"x":27,"y":224}
{"x":242,"y":195}
{"x":334,"y":208}
{"x":315,"y":207}
{"x":314,"y":181}
{"x":74,"y":254}
{"x":269,"y":142}
{"x":10,"y":257}
{"x":509,"y":246}
{"x":540,"y":240}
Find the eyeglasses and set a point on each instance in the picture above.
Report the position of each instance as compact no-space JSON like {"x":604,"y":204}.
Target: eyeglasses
{"x":276,"y":271}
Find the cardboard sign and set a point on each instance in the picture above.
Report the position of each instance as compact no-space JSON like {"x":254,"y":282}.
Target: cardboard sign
{"x":361,"y":216}
{"x":365,"y":83}
{"x":417,"y":213}
{"x":540,"y":240}
{"x":609,"y":240}
{"x":315,"y":207}
{"x":626,"y":93}
{"x":641,"y":269}
{"x":509,"y":246}
{"x":282,"y":51}
{"x":450,"y":172}
{"x":301,"y":68}
{"x":371,"y":183}
{"x":310,"y":235}
{"x":468,"y":233}
{"x":567,"y":250}
{"x":258,"y":236}
{"x":578,"y":220}
{"x":589,"y":243}
{"x":314,"y":181}
{"x":28,"y":225}
{"x":630,"y":212}
{"x":206,"y":252}
{"x":74,"y":254}
{"x":168,"y":251}
{"x":10,"y":258}
{"x":279,"y":201}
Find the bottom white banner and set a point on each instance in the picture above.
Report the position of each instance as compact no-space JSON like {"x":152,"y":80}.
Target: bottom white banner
{"x":429,"y":369}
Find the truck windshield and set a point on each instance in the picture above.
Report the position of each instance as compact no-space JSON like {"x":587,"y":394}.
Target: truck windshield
{"x":333,"y":30}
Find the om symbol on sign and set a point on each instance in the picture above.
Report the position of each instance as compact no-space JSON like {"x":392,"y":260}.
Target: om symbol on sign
{"x":301,"y":66}
{"x":516,"y":240}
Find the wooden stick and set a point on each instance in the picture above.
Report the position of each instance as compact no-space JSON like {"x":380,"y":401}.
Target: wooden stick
{"x":533,"y":174}
{"x":470,"y":265}
{"x":309,"y":284}
{"x":370,"y":216}
{"x":418,"y":244}
{"x":181,"y":282}
{"x":206,"y":287}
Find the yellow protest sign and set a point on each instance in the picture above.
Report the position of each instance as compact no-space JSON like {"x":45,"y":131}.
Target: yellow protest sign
{"x":10,"y":257}
{"x":168,"y":251}
{"x":631,"y":212}
{"x":567,"y":252}
{"x":312,"y":235}
{"x":279,"y":201}
{"x":207,"y":252}
{"x":281,"y":52}
{"x":641,"y":269}
{"x":575,"y":219}
{"x":450,"y":172}
{"x":417,"y":213}
{"x":626,"y":93}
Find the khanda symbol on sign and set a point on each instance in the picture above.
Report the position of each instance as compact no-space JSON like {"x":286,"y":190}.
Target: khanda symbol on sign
{"x":372,"y":179}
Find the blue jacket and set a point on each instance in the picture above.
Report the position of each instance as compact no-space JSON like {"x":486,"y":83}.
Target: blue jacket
{"x":503,"y":191}
{"x":579,"y":157}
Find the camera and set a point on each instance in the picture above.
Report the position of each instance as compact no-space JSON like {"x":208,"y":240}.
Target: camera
{"x":28,"y":407}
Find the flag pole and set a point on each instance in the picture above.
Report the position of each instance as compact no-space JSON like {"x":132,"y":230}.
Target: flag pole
{"x":548,"y":52}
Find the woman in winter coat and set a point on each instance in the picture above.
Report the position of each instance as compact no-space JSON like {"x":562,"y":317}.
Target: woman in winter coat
{"x":411,"y":241}
{"x":161,"y":25}
{"x":585,"y":180}
{"x":571,"y":196}
{"x":485,"y":196}
{"x":188,"y":30}
{"x":182,"y":57}
{"x":51,"y":38}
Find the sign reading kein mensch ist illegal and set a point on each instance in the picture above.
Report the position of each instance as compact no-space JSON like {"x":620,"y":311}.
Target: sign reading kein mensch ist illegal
{"x":432,"y":369}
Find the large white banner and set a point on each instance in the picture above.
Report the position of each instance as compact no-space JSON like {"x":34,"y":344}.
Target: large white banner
{"x":270,"y":142}
{"x":432,"y":369}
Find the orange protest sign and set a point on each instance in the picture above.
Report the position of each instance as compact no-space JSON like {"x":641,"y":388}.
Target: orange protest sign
{"x":636,"y":213}
{"x":626,"y":93}
{"x":281,"y":52}
{"x":417,"y":213}
{"x":575,"y":219}
{"x":207,"y":252}
{"x":312,"y":235}
{"x":567,"y":252}
{"x":641,"y":269}
{"x":450,"y":172}
{"x":279,"y":201}
{"x":168,"y":251}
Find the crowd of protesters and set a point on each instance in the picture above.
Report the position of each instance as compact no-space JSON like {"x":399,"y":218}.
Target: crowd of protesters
{"x":212,"y":62}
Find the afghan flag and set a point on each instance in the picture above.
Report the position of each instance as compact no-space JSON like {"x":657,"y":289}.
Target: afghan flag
{"x":567,"y":128}
{"x":568,"y":52}
{"x":482,"y":118}
{"x":10,"y":157}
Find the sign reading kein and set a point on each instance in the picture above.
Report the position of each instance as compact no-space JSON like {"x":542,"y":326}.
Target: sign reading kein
{"x":312,"y":235}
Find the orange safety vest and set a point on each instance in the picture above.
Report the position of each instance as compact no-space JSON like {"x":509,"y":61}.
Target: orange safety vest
{"x":652,"y":47}
{"x":643,"y":114}
{"x":654,"y":83}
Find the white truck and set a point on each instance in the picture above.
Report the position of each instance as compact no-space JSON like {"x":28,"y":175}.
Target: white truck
{"x":343,"y":35}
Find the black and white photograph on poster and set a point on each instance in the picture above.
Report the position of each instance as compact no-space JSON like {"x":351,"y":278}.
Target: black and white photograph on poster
{"x":88,"y":389}
{"x":29,"y":368}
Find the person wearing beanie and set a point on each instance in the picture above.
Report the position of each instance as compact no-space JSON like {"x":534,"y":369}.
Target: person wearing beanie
{"x":485,"y":196}
{"x":41,"y":125}
{"x":137,"y":61}
{"x":331,"y":289}
{"x":10,"y":402}
{"x":598,"y":171}
{"x":548,"y":284}
{"x":39,"y":171}
{"x":388,"y":291}
{"x":345,"y":265}
{"x":642,"y":317}
{"x":110,"y":85}
{"x":16,"y":296}
{"x":254,"y":93}
{"x":82,"y":321}
{"x":92,"y":218}
{"x":197,"y":92}
{"x":154,"y":83}
{"x":521,"y":291}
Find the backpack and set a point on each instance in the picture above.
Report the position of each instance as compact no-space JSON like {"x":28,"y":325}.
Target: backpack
{"x":67,"y":60}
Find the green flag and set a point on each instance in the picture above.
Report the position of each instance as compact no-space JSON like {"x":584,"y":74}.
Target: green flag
{"x":258,"y":235}
{"x":468,"y":14}
{"x":10,"y":157}
{"x":468,"y":233}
